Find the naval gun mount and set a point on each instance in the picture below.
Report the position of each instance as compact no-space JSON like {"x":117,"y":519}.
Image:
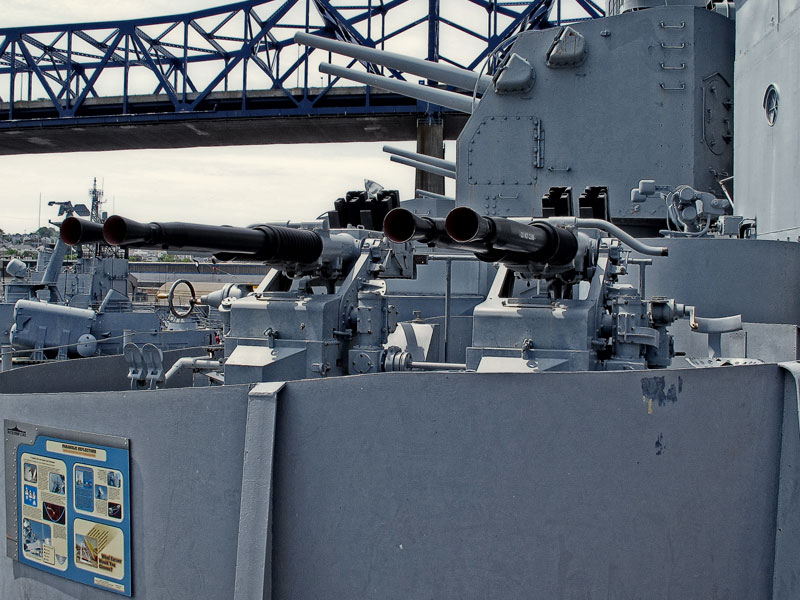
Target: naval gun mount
{"x":558,"y":302}
{"x":321,"y":310}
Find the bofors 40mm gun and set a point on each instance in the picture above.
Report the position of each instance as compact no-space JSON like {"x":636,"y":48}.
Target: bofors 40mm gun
{"x":556,"y":302}
{"x":323,"y":309}
{"x":320,"y":310}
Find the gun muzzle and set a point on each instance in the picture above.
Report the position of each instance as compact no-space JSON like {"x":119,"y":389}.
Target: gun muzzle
{"x":74,"y":231}
{"x":401,"y":225}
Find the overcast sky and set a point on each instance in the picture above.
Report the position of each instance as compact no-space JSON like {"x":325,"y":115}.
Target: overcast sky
{"x":234,"y":185}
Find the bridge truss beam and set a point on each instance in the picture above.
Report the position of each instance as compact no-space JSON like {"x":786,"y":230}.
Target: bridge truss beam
{"x":201,"y":70}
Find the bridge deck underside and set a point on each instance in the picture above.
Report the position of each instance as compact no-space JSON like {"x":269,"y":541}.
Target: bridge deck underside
{"x":148,"y":122}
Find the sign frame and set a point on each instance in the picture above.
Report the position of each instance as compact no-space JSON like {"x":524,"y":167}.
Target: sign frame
{"x":80,"y":505}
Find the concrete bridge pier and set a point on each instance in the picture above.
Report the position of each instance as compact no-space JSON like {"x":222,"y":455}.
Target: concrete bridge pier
{"x":430,"y":141}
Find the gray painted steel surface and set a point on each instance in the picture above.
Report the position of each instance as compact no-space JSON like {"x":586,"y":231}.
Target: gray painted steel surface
{"x":509,"y":486}
{"x":735,"y":275}
{"x":104,"y":373}
{"x":186,"y":453}
{"x":641,"y":92}
{"x":457,"y":486}
{"x":766,"y":156}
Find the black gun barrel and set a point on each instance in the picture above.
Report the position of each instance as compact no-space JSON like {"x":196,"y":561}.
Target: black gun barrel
{"x":401,"y":225}
{"x":539,"y":242}
{"x":269,"y":243}
{"x":74,"y":231}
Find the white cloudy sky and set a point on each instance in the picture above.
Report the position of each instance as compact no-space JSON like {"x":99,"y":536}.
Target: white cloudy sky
{"x":234,"y":185}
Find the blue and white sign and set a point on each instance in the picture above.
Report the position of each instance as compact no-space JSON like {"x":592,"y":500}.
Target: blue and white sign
{"x":74,"y":507}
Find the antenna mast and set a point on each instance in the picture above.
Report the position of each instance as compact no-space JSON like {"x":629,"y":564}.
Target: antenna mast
{"x":96,"y":195}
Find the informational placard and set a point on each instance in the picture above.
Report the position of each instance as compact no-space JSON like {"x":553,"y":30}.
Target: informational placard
{"x":71,"y":504}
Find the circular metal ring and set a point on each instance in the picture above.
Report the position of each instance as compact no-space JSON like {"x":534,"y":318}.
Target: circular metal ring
{"x":771,"y":100}
{"x":171,"y":299}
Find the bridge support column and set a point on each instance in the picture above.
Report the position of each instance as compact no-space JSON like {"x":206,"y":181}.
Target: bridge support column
{"x":430,"y":141}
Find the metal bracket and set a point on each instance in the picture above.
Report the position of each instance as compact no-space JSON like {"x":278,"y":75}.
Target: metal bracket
{"x":136,"y":368}
{"x":154,"y":361}
{"x":254,"y":546}
{"x":62,"y":349}
{"x":272,"y":335}
{"x":538,"y":137}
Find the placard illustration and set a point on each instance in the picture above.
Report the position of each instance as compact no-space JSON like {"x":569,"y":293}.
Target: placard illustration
{"x":72,"y":504}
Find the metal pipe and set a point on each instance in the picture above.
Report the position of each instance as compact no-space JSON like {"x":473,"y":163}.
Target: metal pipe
{"x":434,"y":195}
{"x":401,"y":225}
{"x":608,"y":228}
{"x":465,"y":225}
{"x":423,"y":158}
{"x":412,"y":90}
{"x":437,"y":366}
{"x":449,"y":75}
{"x":517,"y":243}
{"x":194,"y":363}
{"x":642,"y":263}
{"x":423,"y":166}
{"x":461,"y":257}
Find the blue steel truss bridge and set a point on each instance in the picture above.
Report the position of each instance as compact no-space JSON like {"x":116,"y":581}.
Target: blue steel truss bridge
{"x":234,"y":75}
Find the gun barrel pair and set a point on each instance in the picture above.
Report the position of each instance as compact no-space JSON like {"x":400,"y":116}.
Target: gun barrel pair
{"x":490,"y":238}
{"x":267,"y":243}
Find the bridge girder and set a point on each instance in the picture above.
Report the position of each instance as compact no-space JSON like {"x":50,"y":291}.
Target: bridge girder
{"x":111,"y":85}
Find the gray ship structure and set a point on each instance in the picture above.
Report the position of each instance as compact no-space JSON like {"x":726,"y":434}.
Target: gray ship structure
{"x":578,"y":378}
{"x":56,"y":314}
